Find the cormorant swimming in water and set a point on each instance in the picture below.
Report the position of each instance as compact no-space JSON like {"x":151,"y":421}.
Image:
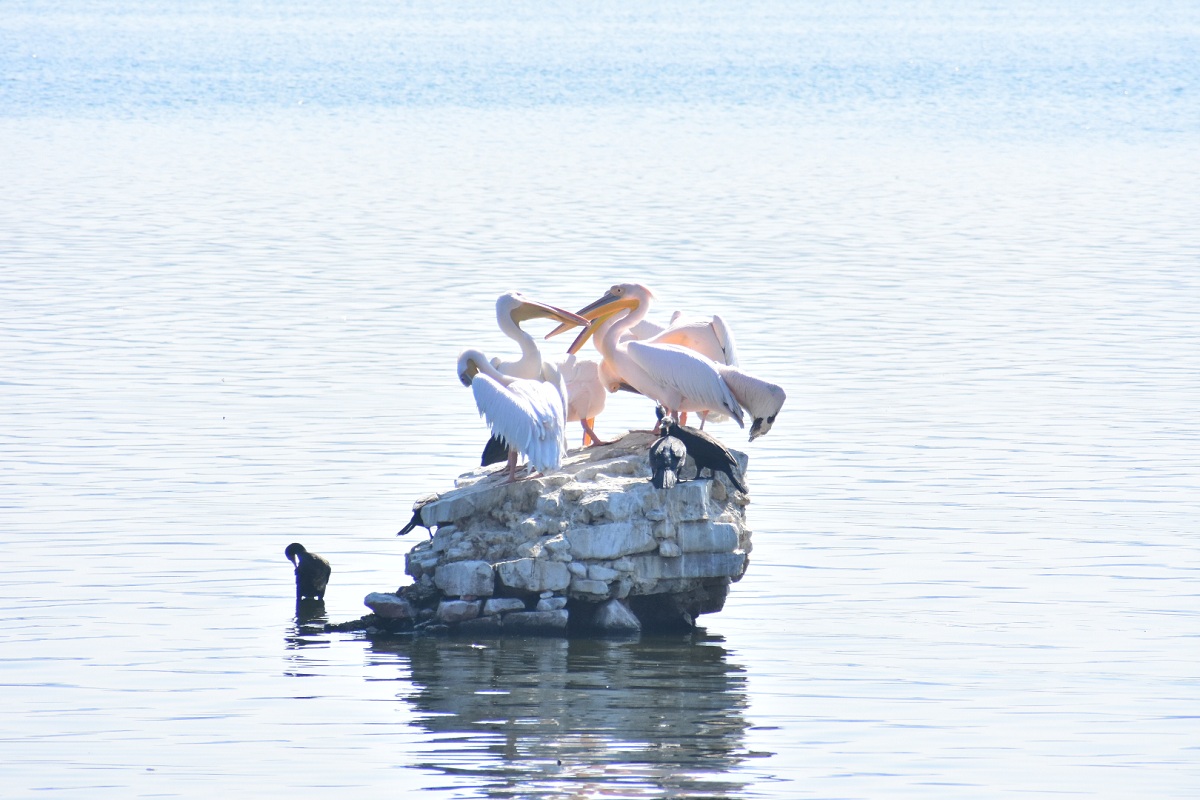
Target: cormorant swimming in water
{"x":312,"y":572}
{"x":667,"y":457}
{"x":706,"y":451}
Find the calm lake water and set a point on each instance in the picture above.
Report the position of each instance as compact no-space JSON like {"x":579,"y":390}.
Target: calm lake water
{"x":241,"y":245}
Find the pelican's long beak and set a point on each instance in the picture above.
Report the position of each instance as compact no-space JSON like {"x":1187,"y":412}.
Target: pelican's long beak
{"x":532,"y":309}
{"x":585,"y":334}
{"x":600,"y":309}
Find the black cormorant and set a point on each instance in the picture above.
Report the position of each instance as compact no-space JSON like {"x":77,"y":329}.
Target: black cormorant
{"x":706,"y":451}
{"x":312,"y":572}
{"x":495,"y":451}
{"x":667,"y":457}
{"x":417,"y":519}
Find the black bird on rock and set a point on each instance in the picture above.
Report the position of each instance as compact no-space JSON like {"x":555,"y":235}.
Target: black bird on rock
{"x":495,"y":451}
{"x":417,"y":519}
{"x":706,"y":451}
{"x":312,"y":572}
{"x":667,"y":457}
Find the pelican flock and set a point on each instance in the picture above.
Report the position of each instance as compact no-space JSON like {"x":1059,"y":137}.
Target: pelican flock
{"x":688,"y":365}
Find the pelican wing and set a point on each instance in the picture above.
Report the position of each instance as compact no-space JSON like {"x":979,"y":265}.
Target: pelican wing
{"x":643,"y":330}
{"x":536,"y":412}
{"x":509,"y":415}
{"x":690,"y":374}
{"x":725,"y":339}
{"x":712,"y":339}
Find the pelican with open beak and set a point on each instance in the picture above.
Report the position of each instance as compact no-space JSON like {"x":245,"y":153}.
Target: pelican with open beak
{"x":675,"y":377}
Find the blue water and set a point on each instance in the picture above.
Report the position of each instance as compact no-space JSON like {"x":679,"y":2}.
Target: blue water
{"x":242,"y":244}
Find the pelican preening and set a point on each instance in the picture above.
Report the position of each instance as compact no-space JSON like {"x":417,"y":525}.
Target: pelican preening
{"x":529,"y":414}
{"x":761,"y":399}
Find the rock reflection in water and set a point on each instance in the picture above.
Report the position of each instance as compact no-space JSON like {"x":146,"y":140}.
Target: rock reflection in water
{"x":660,"y":717}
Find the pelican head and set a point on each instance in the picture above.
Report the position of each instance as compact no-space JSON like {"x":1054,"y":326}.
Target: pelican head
{"x":761,"y":426}
{"x":468,"y":365}
{"x":518,"y":308}
{"x":619,"y":297}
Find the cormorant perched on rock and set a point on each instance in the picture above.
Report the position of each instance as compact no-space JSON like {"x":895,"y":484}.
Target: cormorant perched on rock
{"x":312,"y":572}
{"x":417,"y":519}
{"x":706,"y":451}
{"x":667,"y":457}
{"x":495,"y":451}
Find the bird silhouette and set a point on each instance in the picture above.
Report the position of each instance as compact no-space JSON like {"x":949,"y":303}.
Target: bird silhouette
{"x":706,"y":451}
{"x":418,"y":519}
{"x":667,"y":457}
{"x":312,"y":572}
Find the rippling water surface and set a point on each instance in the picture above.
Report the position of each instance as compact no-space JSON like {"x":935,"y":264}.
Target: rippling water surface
{"x":242,"y":244}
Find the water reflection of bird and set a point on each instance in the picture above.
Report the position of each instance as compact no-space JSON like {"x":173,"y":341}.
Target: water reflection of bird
{"x":670,"y":374}
{"x":685,"y":693}
{"x":667,"y":457}
{"x":706,"y":451}
{"x":530,"y":415}
{"x":312,"y":572}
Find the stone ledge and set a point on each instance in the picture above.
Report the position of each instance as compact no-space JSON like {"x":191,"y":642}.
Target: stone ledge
{"x":594,"y":534}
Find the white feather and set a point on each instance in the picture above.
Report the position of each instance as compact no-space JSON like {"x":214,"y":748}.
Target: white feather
{"x":696,"y":380}
{"x":712,"y":339}
{"x":670,"y":374}
{"x":529,"y":414}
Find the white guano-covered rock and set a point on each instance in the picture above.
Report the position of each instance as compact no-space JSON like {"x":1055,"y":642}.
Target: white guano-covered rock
{"x":465,"y":578}
{"x":611,"y":540}
{"x":718,"y":537}
{"x":595,"y":533}
{"x":534,"y":575}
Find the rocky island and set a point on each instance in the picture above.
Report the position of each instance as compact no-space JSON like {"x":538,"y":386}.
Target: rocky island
{"x":590,"y":548}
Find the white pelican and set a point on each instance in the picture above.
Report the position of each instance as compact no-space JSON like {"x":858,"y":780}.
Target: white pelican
{"x":711,"y":337}
{"x":513,"y":308}
{"x":588,"y":382}
{"x":761,"y":400}
{"x":672,"y":375}
{"x":529,"y":414}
